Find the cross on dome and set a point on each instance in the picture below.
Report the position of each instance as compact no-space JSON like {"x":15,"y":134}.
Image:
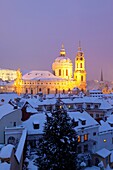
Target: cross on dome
{"x":62,"y":51}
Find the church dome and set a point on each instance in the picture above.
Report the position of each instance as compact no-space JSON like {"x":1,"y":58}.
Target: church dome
{"x":62,"y":65}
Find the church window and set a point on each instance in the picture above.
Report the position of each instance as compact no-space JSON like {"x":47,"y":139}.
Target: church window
{"x":66,"y":72}
{"x":60,"y":72}
{"x":48,"y":91}
{"x":26,"y":91}
{"x":63,"y":91}
{"x":56,"y":91}
{"x":31,"y":91}
{"x":80,"y":65}
{"x":81,"y":78}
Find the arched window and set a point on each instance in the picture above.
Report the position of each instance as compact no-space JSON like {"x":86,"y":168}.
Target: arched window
{"x":31,"y":91}
{"x":48,"y":91}
{"x":66,"y":72}
{"x":81,"y":78}
{"x":11,"y":140}
{"x":63,"y":91}
{"x":56,"y":91}
{"x":26,"y":91}
{"x":80,"y":65}
{"x":60,"y":72}
{"x":39,"y":89}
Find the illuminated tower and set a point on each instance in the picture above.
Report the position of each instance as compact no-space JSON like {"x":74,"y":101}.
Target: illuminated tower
{"x":18,"y":82}
{"x":62,"y":66}
{"x":80,"y":72}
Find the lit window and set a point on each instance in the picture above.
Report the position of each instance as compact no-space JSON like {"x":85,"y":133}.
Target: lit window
{"x":79,"y":138}
{"x":80,"y":65}
{"x":60,"y":72}
{"x":66,"y":72}
{"x":104,"y":140}
{"x":81,"y":78}
{"x":85,"y":137}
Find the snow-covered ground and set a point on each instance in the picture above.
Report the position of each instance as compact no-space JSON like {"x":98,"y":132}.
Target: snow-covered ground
{"x":92,"y":168}
{"x":97,"y":168}
{"x":31,"y":159}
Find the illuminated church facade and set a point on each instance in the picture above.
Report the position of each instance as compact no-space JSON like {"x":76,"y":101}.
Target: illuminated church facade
{"x":63,"y":79}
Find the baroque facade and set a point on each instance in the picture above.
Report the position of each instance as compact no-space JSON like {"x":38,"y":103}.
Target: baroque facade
{"x":61,"y":81}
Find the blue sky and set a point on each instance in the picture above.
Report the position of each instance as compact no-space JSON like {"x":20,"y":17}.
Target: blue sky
{"x":32,"y":32}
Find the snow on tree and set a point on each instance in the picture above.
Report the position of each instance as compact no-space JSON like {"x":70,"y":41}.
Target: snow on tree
{"x":57,"y":149}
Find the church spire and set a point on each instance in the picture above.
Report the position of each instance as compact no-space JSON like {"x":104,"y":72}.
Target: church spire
{"x":101,"y":76}
{"x":62,"y":51}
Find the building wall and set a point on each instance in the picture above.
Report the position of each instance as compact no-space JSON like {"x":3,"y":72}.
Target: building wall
{"x":8,"y":121}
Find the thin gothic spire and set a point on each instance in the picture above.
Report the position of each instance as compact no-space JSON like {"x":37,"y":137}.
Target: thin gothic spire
{"x":101,"y":76}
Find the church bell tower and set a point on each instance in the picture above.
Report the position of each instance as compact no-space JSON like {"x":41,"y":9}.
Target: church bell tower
{"x":80,"y":71}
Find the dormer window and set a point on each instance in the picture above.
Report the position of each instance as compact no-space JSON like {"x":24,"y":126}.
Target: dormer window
{"x":36,"y":125}
{"x":76,"y":123}
{"x":111,"y":124}
{"x":83,"y":122}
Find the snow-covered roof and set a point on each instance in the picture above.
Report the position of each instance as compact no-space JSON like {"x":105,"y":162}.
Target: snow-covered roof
{"x":31,"y":110}
{"x":6,"y":151}
{"x":41,"y":118}
{"x":21,"y":144}
{"x":104,"y":127}
{"x":40,"y":75}
{"x":90,"y":121}
{"x":6,"y":97}
{"x":103,"y":152}
{"x":28,"y":124}
{"x":5,"y":109}
{"x":4,"y":166}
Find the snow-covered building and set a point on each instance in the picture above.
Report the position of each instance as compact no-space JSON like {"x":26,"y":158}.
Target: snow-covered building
{"x":11,"y":155}
{"x":9,"y":117}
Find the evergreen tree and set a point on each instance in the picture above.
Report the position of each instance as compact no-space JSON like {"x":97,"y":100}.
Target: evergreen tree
{"x":57,"y":149}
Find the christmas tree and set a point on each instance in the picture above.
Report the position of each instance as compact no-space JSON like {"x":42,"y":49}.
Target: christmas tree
{"x":57,"y":149}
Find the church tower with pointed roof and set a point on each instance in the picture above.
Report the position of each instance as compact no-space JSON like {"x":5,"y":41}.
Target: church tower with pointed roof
{"x":80,"y":71}
{"x":62,"y":66}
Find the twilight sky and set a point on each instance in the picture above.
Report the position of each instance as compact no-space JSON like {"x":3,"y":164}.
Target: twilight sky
{"x":32,"y":32}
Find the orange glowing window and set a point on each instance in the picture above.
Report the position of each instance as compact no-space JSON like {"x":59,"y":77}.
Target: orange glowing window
{"x":81,"y":78}
{"x":60,"y":72}
{"x":79,"y":138}
{"x":66,"y":72}
{"x":80,"y":65}
{"x":85,"y":137}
